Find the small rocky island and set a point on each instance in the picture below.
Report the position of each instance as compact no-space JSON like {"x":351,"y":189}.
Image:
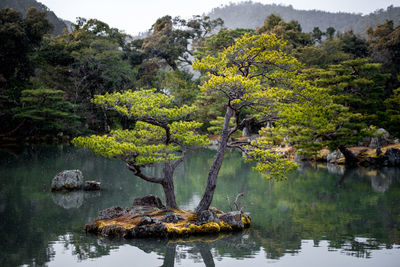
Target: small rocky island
{"x":148,"y":217}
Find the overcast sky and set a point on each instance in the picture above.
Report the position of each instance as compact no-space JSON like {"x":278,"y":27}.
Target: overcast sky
{"x":134,"y":16}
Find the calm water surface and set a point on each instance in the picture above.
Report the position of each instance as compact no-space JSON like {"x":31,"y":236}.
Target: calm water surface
{"x":321,"y":216}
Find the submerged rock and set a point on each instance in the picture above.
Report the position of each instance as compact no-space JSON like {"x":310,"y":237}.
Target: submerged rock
{"x":67,"y":180}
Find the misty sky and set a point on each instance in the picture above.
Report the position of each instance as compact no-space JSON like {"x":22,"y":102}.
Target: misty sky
{"x":134,"y":16}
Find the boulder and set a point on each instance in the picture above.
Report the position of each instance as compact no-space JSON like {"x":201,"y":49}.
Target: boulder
{"x":148,"y":227}
{"x":333,"y":156}
{"x":172,"y":218}
{"x":207,"y":216}
{"x":91,"y":186}
{"x":113,"y":231}
{"x":114,"y":212}
{"x":147,"y":220}
{"x":150,"y":200}
{"x":234,"y":219}
{"x":380,"y":138}
{"x":67,"y":180}
{"x":393,"y":156}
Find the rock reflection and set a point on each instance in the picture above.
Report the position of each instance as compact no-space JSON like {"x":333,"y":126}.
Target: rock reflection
{"x":74,"y":199}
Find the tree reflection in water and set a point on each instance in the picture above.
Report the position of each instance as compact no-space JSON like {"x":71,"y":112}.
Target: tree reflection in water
{"x":354,"y":211}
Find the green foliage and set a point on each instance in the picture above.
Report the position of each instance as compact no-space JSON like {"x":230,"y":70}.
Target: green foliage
{"x":170,"y":38}
{"x":46,"y":111}
{"x":159,"y":134}
{"x":255,"y":73}
{"x":328,"y":53}
{"x":357,"y":84}
{"x":290,"y":31}
{"x":392,"y":105}
{"x":20,"y":37}
{"x":180,"y":84}
{"x":217,"y":124}
{"x":216,"y":43}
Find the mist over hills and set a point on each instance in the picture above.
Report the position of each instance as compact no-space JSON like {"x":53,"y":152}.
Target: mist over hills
{"x":252,"y":15}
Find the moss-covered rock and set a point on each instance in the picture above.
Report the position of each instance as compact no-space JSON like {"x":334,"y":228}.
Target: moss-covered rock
{"x":136,"y":222}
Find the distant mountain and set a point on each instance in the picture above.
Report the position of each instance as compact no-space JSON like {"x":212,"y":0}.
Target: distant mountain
{"x":23,"y":5}
{"x":252,"y":15}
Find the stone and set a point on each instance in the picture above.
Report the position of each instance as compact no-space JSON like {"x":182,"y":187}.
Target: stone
{"x":393,"y":156}
{"x":172,"y":218}
{"x":234,"y":219}
{"x":114,"y":212}
{"x":382,"y":133}
{"x":214,"y":209}
{"x":67,"y":180}
{"x":207,"y":216}
{"x":150,"y":200}
{"x":147,"y":220}
{"x":91,"y":186}
{"x":333,"y":156}
{"x":380,"y":138}
{"x":113,"y":231}
{"x":148,"y":227}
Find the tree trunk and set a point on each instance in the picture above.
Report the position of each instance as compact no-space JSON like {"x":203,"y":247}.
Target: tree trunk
{"x":350,"y":159}
{"x":168,"y":186}
{"x":215,"y":167}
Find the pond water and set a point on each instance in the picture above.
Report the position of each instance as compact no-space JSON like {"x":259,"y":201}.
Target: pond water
{"x":321,"y":215}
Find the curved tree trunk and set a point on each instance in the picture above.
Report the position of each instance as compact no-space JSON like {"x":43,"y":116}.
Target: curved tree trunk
{"x":350,"y":159}
{"x":168,"y":186}
{"x":216,"y":166}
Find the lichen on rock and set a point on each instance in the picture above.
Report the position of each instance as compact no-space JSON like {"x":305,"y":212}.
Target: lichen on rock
{"x":150,"y":221}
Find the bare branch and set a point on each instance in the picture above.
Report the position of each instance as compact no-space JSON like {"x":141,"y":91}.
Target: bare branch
{"x":137,"y":171}
{"x":178,"y":161}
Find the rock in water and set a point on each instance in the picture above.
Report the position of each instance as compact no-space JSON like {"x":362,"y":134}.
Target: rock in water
{"x":91,"y":186}
{"x":234,"y":219}
{"x":207,"y":216}
{"x":150,"y":201}
{"x":333,"y":156}
{"x":393,"y":156}
{"x":67,"y":180}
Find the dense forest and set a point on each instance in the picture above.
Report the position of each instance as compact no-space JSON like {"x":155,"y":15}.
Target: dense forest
{"x":47,"y":81}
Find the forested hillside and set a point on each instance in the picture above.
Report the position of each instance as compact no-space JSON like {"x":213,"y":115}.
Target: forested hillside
{"x":23,"y":5}
{"x":252,"y":15}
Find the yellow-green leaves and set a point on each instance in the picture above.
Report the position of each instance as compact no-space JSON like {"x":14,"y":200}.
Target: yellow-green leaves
{"x":158,"y":135}
{"x":259,"y":81}
{"x":184,"y":132}
{"x":143,"y":103}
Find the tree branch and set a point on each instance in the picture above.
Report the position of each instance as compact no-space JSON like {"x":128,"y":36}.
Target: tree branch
{"x":178,"y":161}
{"x":136,"y":170}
